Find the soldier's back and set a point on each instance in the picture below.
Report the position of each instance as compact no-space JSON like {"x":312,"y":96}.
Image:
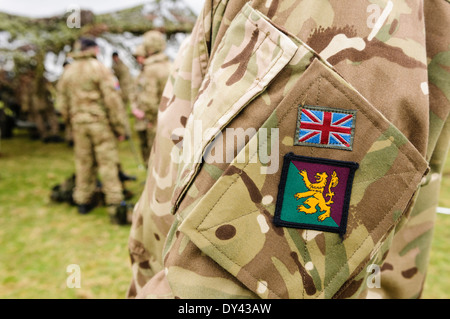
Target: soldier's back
{"x":84,"y":79}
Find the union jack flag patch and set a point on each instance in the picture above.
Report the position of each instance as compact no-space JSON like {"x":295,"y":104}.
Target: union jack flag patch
{"x":325,"y":127}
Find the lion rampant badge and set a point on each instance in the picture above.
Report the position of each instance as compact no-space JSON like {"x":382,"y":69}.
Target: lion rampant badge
{"x":315,"y":195}
{"x":319,"y":198}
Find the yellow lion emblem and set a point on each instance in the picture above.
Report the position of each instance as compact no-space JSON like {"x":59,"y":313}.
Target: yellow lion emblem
{"x":315,"y":194}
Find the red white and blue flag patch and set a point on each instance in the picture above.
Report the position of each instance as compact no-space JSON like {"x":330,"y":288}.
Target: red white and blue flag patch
{"x":325,"y":127}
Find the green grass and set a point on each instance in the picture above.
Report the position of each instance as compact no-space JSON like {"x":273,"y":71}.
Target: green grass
{"x":437,"y":285}
{"x":39,"y":238}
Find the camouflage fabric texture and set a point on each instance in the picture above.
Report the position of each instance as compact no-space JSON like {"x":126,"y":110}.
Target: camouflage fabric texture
{"x":204,"y":225}
{"x":91,"y":104}
{"x":148,"y":88}
{"x":125,"y":79}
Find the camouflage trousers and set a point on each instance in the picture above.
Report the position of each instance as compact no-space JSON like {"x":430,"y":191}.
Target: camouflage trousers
{"x":96,"y":151}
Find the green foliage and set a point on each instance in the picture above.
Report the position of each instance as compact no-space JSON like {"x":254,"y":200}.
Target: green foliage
{"x":52,"y":34}
{"x":444,"y":199}
{"x":437,"y":285}
{"x":136,"y":21}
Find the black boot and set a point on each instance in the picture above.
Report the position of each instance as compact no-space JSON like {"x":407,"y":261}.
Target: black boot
{"x":124,"y":177}
{"x":83,"y":209}
{"x":56,"y":139}
{"x":86,"y":208}
{"x":127,"y":194}
{"x":118,"y":213}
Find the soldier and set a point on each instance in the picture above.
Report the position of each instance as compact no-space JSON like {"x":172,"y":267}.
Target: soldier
{"x":42,"y":111}
{"x":123,"y":75}
{"x":89,"y":100}
{"x":36,"y":106}
{"x":342,"y":130}
{"x":149,"y":87}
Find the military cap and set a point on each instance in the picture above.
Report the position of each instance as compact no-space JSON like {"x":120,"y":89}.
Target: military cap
{"x":87,"y":43}
{"x":153,"y":42}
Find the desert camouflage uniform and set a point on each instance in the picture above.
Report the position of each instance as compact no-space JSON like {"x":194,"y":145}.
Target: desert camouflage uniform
{"x":204,"y":229}
{"x":89,"y":100}
{"x":149,"y":88}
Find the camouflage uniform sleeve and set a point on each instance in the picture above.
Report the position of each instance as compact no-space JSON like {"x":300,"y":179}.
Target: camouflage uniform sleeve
{"x":149,"y":99}
{"x":133,"y":93}
{"x":127,"y":83}
{"x":113,"y":102}
{"x":179,"y":93}
{"x":331,"y":178}
{"x":123,"y":74}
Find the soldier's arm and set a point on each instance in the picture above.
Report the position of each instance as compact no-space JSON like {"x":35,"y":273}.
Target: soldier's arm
{"x":149,"y":99}
{"x":126,"y":81}
{"x":113,"y":103}
{"x":134,"y":99}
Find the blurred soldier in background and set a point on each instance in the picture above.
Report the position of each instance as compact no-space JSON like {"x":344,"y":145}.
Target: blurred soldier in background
{"x":149,"y":87}
{"x":123,"y":75}
{"x":36,"y":106}
{"x":89,"y":100}
{"x":36,"y":100}
{"x":42,"y":111}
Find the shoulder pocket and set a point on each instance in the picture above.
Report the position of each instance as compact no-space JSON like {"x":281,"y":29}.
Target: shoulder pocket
{"x":247,"y":222}
{"x":234,"y":222}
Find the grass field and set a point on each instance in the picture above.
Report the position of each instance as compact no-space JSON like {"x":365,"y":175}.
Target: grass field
{"x":39,"y":239}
